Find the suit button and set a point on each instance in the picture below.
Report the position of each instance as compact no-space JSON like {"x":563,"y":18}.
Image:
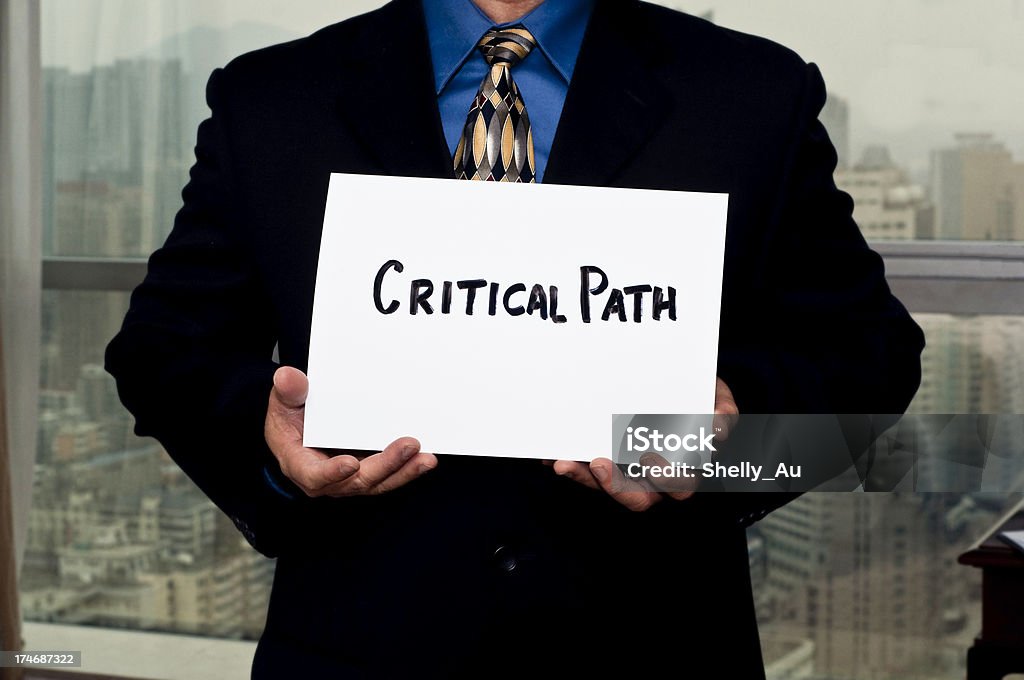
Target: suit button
{"x":505,"y":558}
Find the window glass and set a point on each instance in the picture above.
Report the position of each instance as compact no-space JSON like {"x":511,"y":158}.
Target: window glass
{"x":924,"y":102}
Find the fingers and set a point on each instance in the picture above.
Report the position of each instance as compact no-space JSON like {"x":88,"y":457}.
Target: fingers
{"x":678,"y":488}
{"x":377,"y":468}
{"x":313,"y":471}
{"x":286,"y":408}
{"x":283,"y":427}
{"x":629,"y":492}
{"x":310,"y":470}
{"x":415,"y":468}
{"x":726,"y":411}
{"x":318,"y":474}
{"x":578,"y":472}
{"x":397,"y":465}
{"x":290,"y":387}
{"x":637,"y":495}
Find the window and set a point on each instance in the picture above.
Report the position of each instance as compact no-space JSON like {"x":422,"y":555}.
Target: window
{"x":924,"y":111}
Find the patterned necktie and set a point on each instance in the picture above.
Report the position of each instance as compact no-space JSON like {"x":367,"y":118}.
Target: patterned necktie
{"x":497,"y":143}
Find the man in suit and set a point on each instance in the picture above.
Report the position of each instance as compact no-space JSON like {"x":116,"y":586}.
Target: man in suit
{"x":399,"y":564}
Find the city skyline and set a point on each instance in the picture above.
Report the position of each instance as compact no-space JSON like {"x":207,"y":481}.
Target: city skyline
{"x":915,"y":73}
{"x":118,"y":138}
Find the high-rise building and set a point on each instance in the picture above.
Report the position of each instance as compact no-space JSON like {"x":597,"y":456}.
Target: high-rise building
{"x":978,"y":190}
{"x":117,"y":146}
{"x":887,"y":205}
{"x":788,"y":658}
{"x":869,"y":578}
{"x":796,"y":548}
{"x":154,"y":558}
{"x":979,"y":360}
{"x":106,"y":579}
{"x":97,"y":392}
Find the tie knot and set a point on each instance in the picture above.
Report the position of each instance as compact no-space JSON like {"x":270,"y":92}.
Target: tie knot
{"x":506,"y":45}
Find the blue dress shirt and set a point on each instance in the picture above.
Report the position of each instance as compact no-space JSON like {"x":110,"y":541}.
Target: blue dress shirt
{"x":455,"y":26}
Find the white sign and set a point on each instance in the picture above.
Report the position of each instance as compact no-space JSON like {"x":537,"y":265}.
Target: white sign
{"x":510,"y":320}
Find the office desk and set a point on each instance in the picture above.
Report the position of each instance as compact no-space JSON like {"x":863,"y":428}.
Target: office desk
{"x":999,"y":649}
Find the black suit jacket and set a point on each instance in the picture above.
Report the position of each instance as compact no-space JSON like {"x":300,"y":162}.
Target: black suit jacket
{"x":488,"y":561}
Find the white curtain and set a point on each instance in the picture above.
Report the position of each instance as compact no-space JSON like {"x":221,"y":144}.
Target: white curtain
{"x":100,"y":104}
{"x":20,"y":258}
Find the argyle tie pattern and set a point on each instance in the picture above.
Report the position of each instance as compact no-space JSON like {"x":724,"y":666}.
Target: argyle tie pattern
{"x":497,"y":142}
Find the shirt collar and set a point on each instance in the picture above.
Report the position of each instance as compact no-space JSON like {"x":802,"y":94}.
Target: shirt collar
{"x":455,"y":26}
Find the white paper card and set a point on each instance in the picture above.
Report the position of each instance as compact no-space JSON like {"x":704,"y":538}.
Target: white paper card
{"x":511,"y":384}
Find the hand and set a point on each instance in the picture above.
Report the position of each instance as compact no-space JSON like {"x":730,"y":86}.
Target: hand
{"x":727,"y":414}
{"x":318,"y":474}
{"x":640,"y":494}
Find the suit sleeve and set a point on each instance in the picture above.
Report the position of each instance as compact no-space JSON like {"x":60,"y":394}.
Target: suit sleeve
{"x":839,"y":342}
{"x":192,"y":360}
{"x":832,"y":339}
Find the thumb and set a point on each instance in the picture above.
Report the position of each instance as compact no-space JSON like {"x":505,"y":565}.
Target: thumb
{"x":290,"y":387}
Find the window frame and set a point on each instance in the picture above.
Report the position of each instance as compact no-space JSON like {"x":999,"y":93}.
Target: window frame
{"x":929,"y":277}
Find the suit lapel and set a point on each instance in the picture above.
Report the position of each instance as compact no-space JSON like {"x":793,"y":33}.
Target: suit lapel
{"x":614,"y":104}
{"x":388,"y":97}
{"x":615,"y":101}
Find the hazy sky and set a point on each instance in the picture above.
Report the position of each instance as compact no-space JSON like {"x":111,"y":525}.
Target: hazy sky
{"x":907,"y":67}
